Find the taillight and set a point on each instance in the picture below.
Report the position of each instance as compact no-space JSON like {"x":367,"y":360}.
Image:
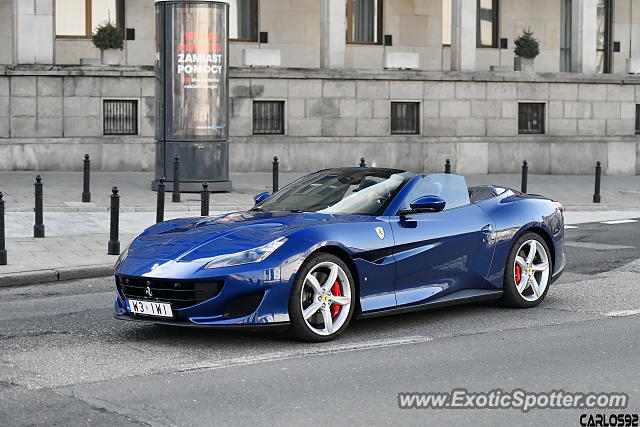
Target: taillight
{"x":559,"y":206}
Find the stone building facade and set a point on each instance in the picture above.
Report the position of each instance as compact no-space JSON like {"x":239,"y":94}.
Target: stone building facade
{"x":339,"y":99}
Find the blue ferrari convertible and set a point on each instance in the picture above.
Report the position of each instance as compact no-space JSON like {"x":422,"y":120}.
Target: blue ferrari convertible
{"x":341,"y":243}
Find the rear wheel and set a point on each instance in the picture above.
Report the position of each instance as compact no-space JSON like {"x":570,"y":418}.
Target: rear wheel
{"x":528,"y":272}
{"x":322,"y":298}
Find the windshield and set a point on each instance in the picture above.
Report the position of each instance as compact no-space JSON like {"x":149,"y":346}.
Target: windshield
{"x":356,"y":191}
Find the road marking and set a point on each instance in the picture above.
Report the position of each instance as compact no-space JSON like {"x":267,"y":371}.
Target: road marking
{"x":597,"y":246}
{"x":622,"y":313}
{"x":567,"y":227}
{"x":315,"y":350}
{"x":619,"y":221}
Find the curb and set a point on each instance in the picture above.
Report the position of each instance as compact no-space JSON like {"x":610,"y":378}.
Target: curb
{"x":55,"y":275}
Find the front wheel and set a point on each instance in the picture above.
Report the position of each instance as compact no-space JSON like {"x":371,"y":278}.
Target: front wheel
{"x":322,"y":298}
{"x":528,"y":272}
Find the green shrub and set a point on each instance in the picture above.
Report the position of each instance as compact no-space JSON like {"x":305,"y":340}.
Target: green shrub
{"x":107,"y":36}
{"x":527,"y":46}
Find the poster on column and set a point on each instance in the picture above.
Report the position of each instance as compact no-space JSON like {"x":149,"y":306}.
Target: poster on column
{"x":197,"y":72}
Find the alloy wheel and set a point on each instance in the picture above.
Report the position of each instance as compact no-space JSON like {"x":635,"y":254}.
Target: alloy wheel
{"x":325,"y":298}
{"x":531,"y":270}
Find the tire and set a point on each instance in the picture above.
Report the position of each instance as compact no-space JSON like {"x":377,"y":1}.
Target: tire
{"x":519,"y":294}
{"x":328,"y":306}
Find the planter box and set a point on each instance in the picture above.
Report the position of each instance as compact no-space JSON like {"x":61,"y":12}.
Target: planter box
{"x":523,"y":64}
{"x":402,"y":60}
{"x":633,"y":66}
{"x":261,"y":57}
{"x":112,"y":56}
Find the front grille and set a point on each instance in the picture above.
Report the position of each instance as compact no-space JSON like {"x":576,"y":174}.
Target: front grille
{"x":180,"y":293}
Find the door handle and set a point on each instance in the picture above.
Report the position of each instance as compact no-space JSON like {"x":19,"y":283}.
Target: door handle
{"x":487,"y":229}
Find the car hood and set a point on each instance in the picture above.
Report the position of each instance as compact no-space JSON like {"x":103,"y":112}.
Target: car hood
{"x":199,"y":239}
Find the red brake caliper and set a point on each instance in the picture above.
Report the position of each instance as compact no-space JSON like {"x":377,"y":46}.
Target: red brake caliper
{"x":335,"y":290}
{"x":517,"y":272}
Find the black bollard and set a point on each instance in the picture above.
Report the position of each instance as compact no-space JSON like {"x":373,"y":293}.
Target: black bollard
{"x":176,"y":180}
{"x":275,"y":174}
{"x":204,"y":200}
{"x":86,"y":194}
{"x":3,"y":250}
{"x":363,"y":164}
{"x":447,"y":166}
{"x":160,"y":202}
{"x":114,"y":244}
{"x":596,"y":193}
{"x":38,"y":228}
{"x":525,"y":176}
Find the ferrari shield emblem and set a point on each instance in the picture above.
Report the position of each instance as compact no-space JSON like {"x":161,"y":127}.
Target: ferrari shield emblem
{"x":380,"y":232}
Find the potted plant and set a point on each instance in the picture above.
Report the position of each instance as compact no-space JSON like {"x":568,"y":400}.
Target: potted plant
{"x":108,"y":38}
{"x":527,"y":48}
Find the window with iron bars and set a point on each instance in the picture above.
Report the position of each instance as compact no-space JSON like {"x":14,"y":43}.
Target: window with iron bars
{"x":405,"y":118}
{"x":120,"y":117}
{"x":268,"y":117}
{"x":531,"y":118}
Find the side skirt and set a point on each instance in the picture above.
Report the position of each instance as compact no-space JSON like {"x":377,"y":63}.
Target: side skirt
{"x":464,"y":296}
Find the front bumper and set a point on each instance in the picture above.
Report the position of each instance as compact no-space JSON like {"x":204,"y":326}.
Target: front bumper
{"x":250,"y":296}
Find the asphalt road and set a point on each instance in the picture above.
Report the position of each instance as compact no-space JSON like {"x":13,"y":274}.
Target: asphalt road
{"x":65,"y":361}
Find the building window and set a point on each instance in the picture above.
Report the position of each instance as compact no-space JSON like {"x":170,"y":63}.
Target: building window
{"x":268,"y":117}
{"x":487,"y":23}
{"x":364,"y":21}
{"x":638,"y":119}
{"x":487,"y":29}
{"x":405,"y":118}
{"x":604,"y":36}
{"x":120,"y":117}
{"x":79,"y":18}
{"x":243,"y":20}
{"x":565,"y":36}
{"x":531,"y":118}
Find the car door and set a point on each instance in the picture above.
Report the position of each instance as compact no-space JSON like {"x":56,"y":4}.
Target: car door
{"x":441,"y":252}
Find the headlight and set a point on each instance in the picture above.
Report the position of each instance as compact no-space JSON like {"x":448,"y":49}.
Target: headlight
{"x":246,"y":257}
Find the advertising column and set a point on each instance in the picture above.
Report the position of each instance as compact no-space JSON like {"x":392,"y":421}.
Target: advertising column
{"x":192,"y":100}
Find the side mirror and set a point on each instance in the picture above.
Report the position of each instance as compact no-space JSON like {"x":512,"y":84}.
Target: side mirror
{"x":425,"y":204}
{"x":261,"y":197}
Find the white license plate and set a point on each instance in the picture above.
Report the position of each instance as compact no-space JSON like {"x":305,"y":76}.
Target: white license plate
{"x":150,"y":308}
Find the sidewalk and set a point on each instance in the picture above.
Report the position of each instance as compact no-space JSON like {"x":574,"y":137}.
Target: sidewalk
{"x":77,"y":233}
{"x":63,"y":191}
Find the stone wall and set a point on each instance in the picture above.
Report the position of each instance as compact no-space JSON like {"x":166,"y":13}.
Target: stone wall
{"x":50,"y":118}
{"x":472,"y":118}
